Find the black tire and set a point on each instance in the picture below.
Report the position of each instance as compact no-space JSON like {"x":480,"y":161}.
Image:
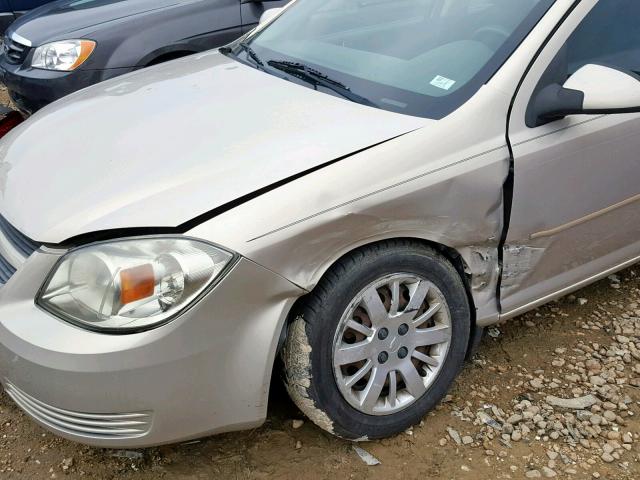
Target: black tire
{"x":307,"y":356}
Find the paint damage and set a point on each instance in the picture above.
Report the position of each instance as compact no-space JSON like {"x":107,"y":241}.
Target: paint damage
{"x":519,"y":263}
{"x":490,"y":280}
{"x":297,"y":359}
{"x":482,"y":267}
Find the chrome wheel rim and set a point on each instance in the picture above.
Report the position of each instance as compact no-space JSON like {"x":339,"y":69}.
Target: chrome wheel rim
{"x":391,"y":343}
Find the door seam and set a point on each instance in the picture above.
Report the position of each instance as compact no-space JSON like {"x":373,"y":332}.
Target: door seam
{"x":507,"y":188}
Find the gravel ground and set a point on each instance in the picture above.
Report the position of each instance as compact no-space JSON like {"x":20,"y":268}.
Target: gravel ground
{"x":554,"y":393}
{"x":4,"y":95}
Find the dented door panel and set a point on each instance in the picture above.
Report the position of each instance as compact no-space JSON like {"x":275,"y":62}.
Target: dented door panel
{"x":576,"y":198}
{"x":581,"y":218}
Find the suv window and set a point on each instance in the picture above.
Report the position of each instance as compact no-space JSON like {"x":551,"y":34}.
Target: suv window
{"x":609,"y":35}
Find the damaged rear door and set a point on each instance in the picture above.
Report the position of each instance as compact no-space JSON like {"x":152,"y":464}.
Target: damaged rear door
{"x":575,"y":190}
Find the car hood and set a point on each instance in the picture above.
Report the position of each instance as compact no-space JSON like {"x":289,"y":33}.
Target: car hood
{"x":62,"y":19}
{"x":160,"y":147}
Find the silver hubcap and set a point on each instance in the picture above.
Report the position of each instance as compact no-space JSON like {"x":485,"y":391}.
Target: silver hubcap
{"x":391,"y":343}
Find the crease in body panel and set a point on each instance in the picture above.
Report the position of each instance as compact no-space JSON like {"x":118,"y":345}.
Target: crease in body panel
{"x":376,"y":192}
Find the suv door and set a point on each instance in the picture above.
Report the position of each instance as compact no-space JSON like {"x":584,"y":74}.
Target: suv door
{"x":201,"y":24}
{"x":251,"y":11}
{"x":576,"y":195}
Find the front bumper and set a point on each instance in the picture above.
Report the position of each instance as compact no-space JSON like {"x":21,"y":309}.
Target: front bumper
{"x":31,"y":89}
{"x":206,"y":372}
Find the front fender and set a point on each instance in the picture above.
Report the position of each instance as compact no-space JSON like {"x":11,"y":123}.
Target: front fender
{"x":302,"y":228}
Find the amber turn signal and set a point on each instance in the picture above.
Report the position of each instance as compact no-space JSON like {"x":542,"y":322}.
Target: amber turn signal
{"x":136,"y":284}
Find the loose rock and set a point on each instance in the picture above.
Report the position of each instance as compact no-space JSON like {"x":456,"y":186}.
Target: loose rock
{"x":455,"y":436}
{"x":580,"y":403}
{"x":607,"y":457}
{"x":365,"y":456}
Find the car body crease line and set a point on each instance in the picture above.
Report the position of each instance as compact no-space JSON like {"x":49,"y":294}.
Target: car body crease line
{"x":568,"y":127}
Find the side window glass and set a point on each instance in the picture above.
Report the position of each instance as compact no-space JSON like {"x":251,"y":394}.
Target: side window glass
{"x":609,"y":35}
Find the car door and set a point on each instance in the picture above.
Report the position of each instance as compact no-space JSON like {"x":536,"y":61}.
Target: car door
{"x":575,"y":212}
{"x":251,"y":11}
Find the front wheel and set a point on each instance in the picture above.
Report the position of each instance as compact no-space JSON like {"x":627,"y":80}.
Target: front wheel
{"x":379,"y":341}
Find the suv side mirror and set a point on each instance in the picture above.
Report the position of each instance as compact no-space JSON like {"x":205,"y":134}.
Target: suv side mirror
{"x":270,"y":14}
{"x":593,"y":89}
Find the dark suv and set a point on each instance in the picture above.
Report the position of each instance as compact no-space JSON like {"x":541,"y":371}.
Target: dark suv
{"x":71,"y":44}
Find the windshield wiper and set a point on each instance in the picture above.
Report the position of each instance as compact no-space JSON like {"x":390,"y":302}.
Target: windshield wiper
{"x":251,"y":53}
{"x":317,"y":78}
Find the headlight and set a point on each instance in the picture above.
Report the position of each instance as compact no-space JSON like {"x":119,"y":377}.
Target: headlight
{"x":131,"y":285}
{"x":65,"y":55}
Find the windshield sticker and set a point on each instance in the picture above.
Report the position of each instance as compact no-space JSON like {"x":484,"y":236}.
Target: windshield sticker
{"x":443,"y":82}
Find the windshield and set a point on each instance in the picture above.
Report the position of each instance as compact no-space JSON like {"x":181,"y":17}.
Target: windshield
{"x":418,"y":57}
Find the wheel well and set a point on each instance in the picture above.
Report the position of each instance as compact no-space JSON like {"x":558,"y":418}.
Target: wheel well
{"x":449,"y":253}
{"x":165,"y":57}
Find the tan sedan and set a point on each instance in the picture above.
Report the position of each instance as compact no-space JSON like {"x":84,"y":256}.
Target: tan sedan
{"x":359,"y":187}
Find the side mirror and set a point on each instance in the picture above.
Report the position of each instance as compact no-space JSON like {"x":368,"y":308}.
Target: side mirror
{"x":270,"y":14}
{"x":593,"y":89}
